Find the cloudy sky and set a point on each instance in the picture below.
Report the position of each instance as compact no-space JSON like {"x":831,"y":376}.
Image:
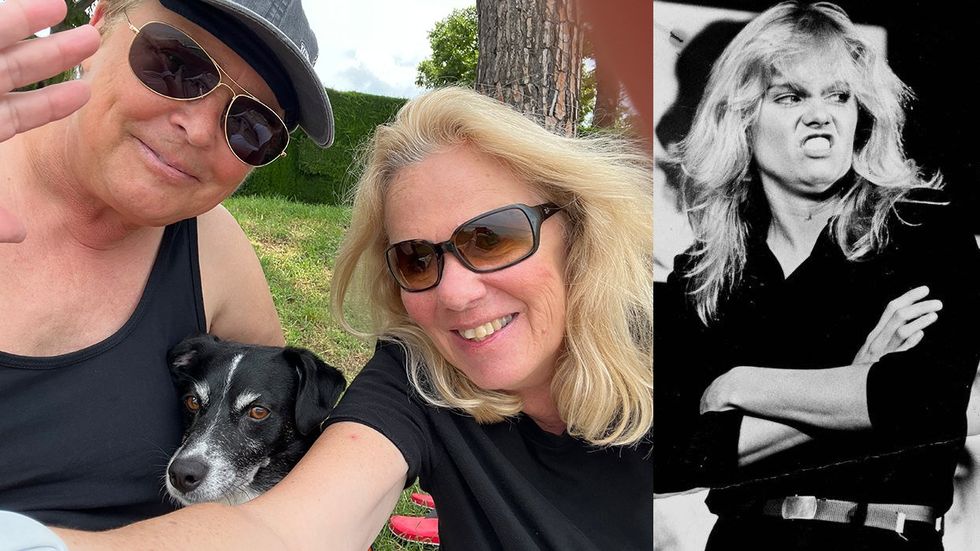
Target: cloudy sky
{"x":374,"y":46}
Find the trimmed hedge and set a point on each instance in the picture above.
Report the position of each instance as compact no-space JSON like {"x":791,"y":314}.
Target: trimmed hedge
{"x":313,"y":175}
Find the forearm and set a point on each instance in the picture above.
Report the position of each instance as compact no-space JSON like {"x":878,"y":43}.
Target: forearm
{"x":190,"y":528}
{"x":833,"y":398}
{"x":761,"y":438}
{"x":338,"y":497}
{"x":973,"y":410}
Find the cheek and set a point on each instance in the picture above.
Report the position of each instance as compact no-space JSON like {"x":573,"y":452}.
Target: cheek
{"x":229,"y":172}
{"x":541,"y":286}
{"x":419,"y":307}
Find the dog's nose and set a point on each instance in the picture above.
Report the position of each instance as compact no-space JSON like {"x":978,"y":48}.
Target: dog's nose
{"x":187,"y":474}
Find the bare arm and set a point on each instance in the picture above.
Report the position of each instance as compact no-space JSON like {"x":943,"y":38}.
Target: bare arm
{"x":832,"y":398}
{"x":973,"y":410}
{"x":338,"y":497}
{"x":761,"y":438}
{"x":237,"y":301}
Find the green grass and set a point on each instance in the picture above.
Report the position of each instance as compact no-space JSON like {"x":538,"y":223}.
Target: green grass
{"x":296,"y":244}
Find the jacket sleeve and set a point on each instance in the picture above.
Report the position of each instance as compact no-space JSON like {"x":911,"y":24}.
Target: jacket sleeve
{"x":690,"y":450}
{"x":919,"y":396}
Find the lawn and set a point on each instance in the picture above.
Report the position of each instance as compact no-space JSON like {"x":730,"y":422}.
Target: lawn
{"x":296,"y":244}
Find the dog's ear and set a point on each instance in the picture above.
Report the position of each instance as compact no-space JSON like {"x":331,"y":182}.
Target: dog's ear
{"x":319,"y":388}
{"x":187,"y":353}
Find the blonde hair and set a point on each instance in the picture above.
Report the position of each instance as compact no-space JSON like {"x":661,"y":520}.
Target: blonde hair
{"x":603,"y":383}
{"x":114,"y":10}
{"x":716,"y":156}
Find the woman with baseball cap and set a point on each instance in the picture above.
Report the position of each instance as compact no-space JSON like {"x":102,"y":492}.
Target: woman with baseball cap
{"x":113,"y":245}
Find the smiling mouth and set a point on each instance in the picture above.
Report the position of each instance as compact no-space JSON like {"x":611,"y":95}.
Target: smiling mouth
{"x":481,"y":332}
{"x":164,"y":162}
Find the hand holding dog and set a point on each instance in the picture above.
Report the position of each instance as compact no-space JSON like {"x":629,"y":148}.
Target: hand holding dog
{"x":27,"y":61}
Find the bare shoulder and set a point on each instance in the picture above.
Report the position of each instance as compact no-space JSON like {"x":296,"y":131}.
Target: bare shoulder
{"x":237,"y":301}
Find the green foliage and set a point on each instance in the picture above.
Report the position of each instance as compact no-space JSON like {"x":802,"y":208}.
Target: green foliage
{"x":586,"y":98}
{"x":78,"y":14}
{"x":454,"y":51}
{"x":314,"y":175}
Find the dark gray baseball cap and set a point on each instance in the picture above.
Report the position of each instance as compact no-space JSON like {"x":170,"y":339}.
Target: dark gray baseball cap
{"x":284,"y":32}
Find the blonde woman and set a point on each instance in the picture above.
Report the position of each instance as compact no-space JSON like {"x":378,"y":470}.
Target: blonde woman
{"x":809,"y":222}
{"x":509,"y":274}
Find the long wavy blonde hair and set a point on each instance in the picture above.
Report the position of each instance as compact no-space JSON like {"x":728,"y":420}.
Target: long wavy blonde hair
{"x":716,"y":158}
{"x":603,"y":384}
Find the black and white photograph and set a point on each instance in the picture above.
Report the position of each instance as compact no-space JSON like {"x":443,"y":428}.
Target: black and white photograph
{"x":817,"y":277}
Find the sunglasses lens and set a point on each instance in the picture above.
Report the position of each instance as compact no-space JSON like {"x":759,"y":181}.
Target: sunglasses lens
{"x":255,"y":133}
{"x":168,"y":62}
{"x":496,"y":240}
{"x":415,"y":264}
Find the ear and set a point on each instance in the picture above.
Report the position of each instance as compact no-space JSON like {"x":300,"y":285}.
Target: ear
{"x":98,"y":15}
{"x":319,"y":388}
{"x":187,"y":353}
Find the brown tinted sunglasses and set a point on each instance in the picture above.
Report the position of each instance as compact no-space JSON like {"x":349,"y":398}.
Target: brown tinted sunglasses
{"x":492,"y":241}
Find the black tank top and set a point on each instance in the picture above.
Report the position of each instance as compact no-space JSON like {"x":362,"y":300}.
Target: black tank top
{"x":85,"y":436}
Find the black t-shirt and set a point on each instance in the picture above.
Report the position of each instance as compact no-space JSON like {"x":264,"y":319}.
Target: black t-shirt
{"x":85,"y":437}
{"x":818,"y":317}
{"x":507,"y":485}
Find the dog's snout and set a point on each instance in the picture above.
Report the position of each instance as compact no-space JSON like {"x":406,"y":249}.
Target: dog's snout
{"x":187,"y":474}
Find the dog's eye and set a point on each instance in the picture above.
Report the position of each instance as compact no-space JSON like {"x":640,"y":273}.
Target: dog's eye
{"x":192,"y":404}
{"x":258,"y":413}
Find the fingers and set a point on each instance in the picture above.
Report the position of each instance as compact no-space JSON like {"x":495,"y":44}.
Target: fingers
{"x":915,"y":326}
{"x":907,"y":298}
{"x":22,"y":111}
{"x":29,"y":61}
{"x":911,"y":341}
{"x":22,"y":18}
{"x":897,"y":326}
{"x":903,"y":317}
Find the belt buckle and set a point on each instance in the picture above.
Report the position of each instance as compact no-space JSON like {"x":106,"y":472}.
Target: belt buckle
{"x":799,"y":508}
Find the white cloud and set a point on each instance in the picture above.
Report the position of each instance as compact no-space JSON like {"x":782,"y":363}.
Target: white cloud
{"x":374,"y":46}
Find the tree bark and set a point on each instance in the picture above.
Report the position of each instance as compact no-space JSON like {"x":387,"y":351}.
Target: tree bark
{"x":531,"y":57}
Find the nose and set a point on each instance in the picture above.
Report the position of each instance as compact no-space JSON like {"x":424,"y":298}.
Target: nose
{"x":187,"y":474}
{"x":202,"y":120}
{"x":817,"y":113}
{"x":459,"y":287}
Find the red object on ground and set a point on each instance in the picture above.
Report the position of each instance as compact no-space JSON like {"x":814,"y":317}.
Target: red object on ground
{"x":418,"y":529}
{"x":425,"y":500}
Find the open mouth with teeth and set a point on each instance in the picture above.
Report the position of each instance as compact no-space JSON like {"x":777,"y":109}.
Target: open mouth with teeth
{"x":817,"y":144}
{"x":481,"y":332}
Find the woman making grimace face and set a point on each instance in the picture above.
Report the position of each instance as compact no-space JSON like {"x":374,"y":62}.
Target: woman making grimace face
{"x":803,"y":140}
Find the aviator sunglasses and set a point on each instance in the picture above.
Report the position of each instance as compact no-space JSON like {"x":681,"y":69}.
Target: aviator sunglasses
{"x":489,"y":242}
{"x":171,"y":64}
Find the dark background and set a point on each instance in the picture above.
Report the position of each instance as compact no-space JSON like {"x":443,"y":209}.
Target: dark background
{"x":932,"y":46}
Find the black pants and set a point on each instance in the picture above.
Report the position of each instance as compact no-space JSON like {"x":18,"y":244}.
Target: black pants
{"x":765,"y":533}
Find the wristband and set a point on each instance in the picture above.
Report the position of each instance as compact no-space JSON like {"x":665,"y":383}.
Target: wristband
{"x":22,"y":533}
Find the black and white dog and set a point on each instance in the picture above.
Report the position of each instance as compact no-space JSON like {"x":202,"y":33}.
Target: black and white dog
{"x":251,"y":412}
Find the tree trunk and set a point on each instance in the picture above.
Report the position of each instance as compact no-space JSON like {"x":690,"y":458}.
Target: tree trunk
{"x":531,"y":57}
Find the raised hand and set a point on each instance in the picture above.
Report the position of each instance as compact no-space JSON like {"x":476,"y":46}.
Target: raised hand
{"x":23,"y":62}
